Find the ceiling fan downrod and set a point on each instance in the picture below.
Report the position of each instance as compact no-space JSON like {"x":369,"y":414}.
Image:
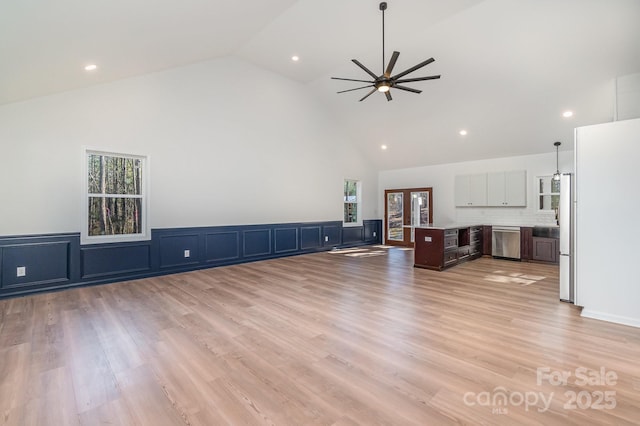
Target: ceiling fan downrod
{"x":383,"y":7}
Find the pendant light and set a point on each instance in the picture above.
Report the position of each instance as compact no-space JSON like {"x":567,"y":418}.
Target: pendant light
{"x":556,"y":175}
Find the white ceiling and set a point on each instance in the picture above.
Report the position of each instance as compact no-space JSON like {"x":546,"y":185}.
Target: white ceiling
{"x":509,"y":67}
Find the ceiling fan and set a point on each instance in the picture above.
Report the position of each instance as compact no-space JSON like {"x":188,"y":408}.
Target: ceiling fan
{"x":385,"y":82}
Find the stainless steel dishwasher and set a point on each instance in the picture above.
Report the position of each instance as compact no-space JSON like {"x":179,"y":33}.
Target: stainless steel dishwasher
{"x":505,"y":242}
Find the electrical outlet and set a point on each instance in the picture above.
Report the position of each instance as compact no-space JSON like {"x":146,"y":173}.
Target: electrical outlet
{"x":21,"y":271}
{"x":374,"y":233}
{"x":326,"y":238}
{"x":187,"y":253}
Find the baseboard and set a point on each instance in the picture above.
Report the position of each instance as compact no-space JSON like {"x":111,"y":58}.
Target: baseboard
{"x":618,"y":319}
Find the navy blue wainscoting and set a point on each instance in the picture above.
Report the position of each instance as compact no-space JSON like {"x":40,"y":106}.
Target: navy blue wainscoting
{"x":59,"y":261}
{"x":116,"y":259}
{"x":222,"y":246}
{"x":37,"y":263}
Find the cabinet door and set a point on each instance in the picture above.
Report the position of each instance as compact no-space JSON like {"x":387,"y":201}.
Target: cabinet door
{"x":486,"y":240}
{"x":545,"y":249}
{"x":462,"y":191}
{"x":526,"y":243}
{"x":507,"y":189}
{"x":515,"y":188}
{"x":478,"y":189}
{"x":495,"y":189}
{"x":471,"y":190}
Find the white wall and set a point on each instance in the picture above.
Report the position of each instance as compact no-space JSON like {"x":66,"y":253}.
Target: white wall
{"x":441,"y":179}
{"x":607,"y":231}
{"x":229,"y":143}
{"x":627,"y":104}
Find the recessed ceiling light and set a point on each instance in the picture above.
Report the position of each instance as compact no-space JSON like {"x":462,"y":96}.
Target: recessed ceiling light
{"x":383,"y":147}
{"x":463,"y":133}
{"x":91,"y":67}
{"x":295,"y":58}
{"x":567,"y":114}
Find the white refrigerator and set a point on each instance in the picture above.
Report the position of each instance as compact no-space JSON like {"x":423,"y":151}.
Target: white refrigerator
{"x":607,"y":230}
{"x":566,"y":219}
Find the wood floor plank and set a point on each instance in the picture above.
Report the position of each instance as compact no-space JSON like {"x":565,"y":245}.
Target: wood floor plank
{"x":319,"y":339}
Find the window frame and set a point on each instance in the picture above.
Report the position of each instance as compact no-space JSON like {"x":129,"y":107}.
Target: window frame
{"x":358,"y":203}
{"x":145,"y":234}
{"x":539,"y":194}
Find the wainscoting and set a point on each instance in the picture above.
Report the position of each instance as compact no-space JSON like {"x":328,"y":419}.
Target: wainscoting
{"x":58,"y":261}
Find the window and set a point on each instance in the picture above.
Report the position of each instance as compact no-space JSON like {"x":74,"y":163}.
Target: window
{"x":115,"y":198}
{"x":352,"y":211}
{"x":548,"y":192}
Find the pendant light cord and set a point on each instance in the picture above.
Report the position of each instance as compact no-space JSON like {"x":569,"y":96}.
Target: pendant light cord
{"x":556,"y":175}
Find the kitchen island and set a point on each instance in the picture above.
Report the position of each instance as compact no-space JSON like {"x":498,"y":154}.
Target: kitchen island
{"x":440,"y":247}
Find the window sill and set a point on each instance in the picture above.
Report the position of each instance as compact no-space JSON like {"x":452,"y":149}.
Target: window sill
{"x":351,"y":224}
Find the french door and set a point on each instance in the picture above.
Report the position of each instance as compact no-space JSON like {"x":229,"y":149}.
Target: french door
{"x":404,"y":209}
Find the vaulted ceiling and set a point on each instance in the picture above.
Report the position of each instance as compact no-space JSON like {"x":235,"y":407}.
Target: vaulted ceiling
{"x":509,"y":67}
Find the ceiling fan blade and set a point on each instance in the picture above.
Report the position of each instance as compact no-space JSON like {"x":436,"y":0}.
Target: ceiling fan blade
{"x":409,"y":80}
{"x":408,"y":89}
{"x":351,"y":79}
{"x":392,"y":63}
{"x":367,"y":70}
{"x":388,"y":95}
{"x":357,"y":88}
{"x":368,"y":94}
{"x":412,"y":69}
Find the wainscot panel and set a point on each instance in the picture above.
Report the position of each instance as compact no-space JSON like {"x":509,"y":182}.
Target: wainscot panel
{"x":45,"y":262}
{"x":372,"y":231}
{"x":353,"y":235}
{"x":221,"y":246}
{"x":332,"y":235}
{"x":178,"y":250}
{"x":310,"y":237}
{"x":256,"y":242}
{"x":106,"y":260}
{"x":58,"y":261}
{"x":286,"y":240}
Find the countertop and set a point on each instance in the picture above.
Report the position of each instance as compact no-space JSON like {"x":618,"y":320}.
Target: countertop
{"x":445,"y":226}
{"x":453,"y":225}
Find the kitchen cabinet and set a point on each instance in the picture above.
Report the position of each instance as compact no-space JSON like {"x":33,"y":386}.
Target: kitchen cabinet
{"x":475,"y":241}
{"x":439,"y":248}
{"x":471,"y":190}
{"x":429,"y":250}
{"x":487,"y":232}
{"x":507,"y":189}
{"x":526,"y":242}
{"x":545,"y":249}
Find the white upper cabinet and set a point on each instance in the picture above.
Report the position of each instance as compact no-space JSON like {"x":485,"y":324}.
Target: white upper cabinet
{"x":471,"y":190}
{"x":507,"y":189}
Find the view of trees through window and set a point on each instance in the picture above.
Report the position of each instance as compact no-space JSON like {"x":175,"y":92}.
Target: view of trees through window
{"x":548,"y":193}
{"x":114,"y":194}
{"x":350,"y":201}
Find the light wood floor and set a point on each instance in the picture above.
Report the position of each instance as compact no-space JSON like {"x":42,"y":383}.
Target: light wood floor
{"x":322,"y":339}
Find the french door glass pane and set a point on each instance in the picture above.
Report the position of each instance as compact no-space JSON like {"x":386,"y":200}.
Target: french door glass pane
{"x":395,"y":217}
{"x":419,"y":210}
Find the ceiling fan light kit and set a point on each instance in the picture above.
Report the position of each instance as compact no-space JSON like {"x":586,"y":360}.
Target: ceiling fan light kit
{"x":385,"y":82}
